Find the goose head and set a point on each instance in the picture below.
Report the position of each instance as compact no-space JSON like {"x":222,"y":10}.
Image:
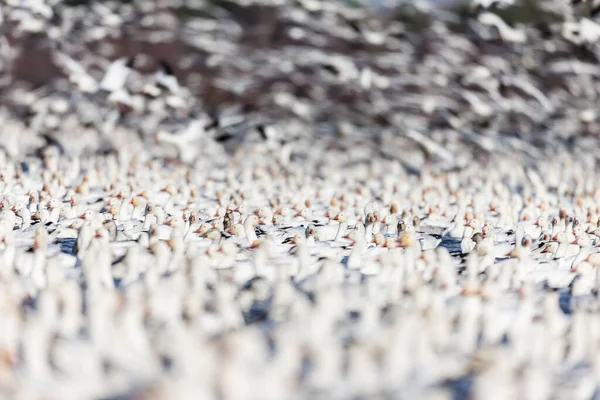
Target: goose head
{"x":340,"y":217}
{"x":203,"y":229}
{"x":378,"y":239}
{"x":305,"y":213}
{"x":390,"y":220}
{"x":265,"y":214}
{"x":252,"y":221}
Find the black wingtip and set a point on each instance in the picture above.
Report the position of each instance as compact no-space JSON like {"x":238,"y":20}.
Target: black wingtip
{"x":223,"y":138}
{"x":262,"y":131}
{"x":52,"y":141}
{"x":166,"y":67}
{"x":212,"y":124}
{"x":131,"y":61}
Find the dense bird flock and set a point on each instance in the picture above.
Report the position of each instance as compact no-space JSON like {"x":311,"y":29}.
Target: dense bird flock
{"x":299,"y":199}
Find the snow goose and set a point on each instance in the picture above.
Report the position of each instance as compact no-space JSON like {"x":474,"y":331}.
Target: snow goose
{"x":265,"y":214}
{"x":379,"y":239}
{"x":171,"y":191}
{"x":40,"y":245}
{"x":228,"y":220}
{"x":160,"y":214}
{"x":34,"y":202}
{"x":400,"y":228}
{"x":194,"y":222}
{"x":535,"y":230}
{"x":278,"y":221}
{"x":84,"y":237}
{"x":391,"y":224}
{"x":370,"y":221}
{"x":71,"y":212}
{"x":306,"y":215}
{"x":305,"y":265}
{"x":139,"y":208}
{"x":25,"y":215}
{"x":178,"y":226}
{"x":8,"y":255}
{"x":459,"y":226}
{"x":204,"y":228}
{"x":116,"y":75}
{"x":242,"y":210}
{"x":585,"y":247}
{"x":358,"y":230}
{"x":467,"y":243}
{"x":149,"y":216}
{"x":9,"y":217}
{"x":355,"y":258}
{"x":161,"y":254}
{"x":428,"y":241}
{"x":342,"y":226}
{"x":250,"y":223}
{"x":570,"y":222}
{"x":238,"y":231}
{"x":97,"y":261}
{"x":522,"y":250}
{"x":409,"y":239}
{"x":329,"y":232}
{"x":556,"y":227}
{"x":54,"y":206}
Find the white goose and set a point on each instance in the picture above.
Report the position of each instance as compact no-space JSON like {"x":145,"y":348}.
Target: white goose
{"x":391,"y":223}
{"x":38,"y":273}
{"x":355,"y":258}
{"x":54,"y":206}
{"x":250,"y":223}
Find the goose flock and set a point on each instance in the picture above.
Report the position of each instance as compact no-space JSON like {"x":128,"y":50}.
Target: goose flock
{"x":312,"y":199}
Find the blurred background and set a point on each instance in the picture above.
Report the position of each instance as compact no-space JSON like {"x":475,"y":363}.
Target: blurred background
{"x":406,"y":75}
